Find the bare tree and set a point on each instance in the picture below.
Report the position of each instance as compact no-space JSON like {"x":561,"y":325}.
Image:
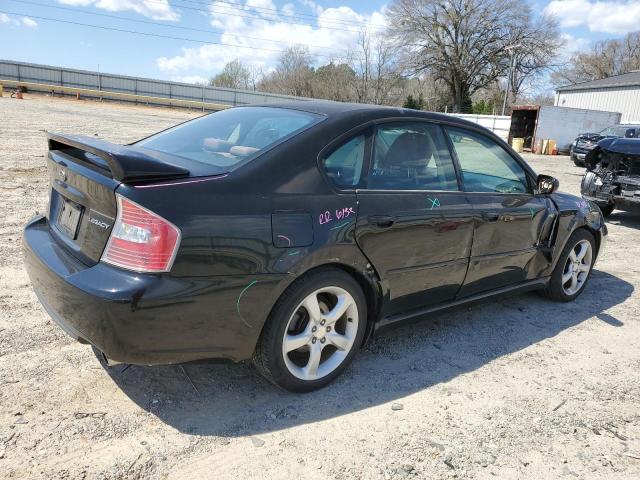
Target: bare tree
{"x":378,"y":75}
{"x":463,"y":43}
{"x":606,"y":58}
{"x":293,"y":74}
{"x":235,"y":74}
{"x":535,"y":50}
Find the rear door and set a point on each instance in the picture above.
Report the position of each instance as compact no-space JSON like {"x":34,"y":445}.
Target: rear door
{"x":414,"y":223}
{"x":509,"y":219}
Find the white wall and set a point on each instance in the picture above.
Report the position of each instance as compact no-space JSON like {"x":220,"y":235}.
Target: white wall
{"x":625,"y":100}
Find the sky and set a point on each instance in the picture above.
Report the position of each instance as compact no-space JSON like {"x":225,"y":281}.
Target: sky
{"x":254,"y":31}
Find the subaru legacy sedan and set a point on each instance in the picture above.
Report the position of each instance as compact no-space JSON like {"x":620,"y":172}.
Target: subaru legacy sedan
{"x":290,"y":233}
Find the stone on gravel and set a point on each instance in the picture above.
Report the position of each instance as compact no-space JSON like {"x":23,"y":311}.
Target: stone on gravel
{"x":257,"y":442}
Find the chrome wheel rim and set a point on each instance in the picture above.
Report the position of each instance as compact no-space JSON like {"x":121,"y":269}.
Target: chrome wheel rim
{"x":577,"y":267}
{"x":320,"y":333}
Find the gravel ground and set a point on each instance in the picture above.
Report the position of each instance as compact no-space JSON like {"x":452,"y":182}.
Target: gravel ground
{"x":513,"y":388}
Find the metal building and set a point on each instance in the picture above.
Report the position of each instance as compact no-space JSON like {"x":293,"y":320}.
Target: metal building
{"x":620,"y":93}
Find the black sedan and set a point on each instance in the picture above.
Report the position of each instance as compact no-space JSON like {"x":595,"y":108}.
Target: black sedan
{"x":585,"y":142}
{"x":291,"y":233}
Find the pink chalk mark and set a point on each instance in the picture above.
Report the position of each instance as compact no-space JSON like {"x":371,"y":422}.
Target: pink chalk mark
{"x":184,"y":182}
{"x":286,"y":238}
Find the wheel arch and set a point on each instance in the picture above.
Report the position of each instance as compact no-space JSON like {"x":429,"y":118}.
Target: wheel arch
{"x":597,"y":234}
{"x":366,"y":278}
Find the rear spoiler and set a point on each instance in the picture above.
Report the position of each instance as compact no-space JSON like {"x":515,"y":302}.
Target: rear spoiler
{"x":126,"y":163}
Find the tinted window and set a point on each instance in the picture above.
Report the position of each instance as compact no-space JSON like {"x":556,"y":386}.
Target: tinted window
{"x":485,"y":165}
{"x":344,"y":165}
{"x":411,"y":157}
{"x":229,"y":137}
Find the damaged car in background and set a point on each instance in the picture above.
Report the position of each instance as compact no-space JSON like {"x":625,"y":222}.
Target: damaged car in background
{"x":613,"y":175}
{"x":585,"y":142}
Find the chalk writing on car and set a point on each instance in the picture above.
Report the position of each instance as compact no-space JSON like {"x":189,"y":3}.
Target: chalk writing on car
{"x":338,"y":214}
{"x":582,"y":204}
{"x":251,"y":284}
{"x":286,"y":238}
{"x":435,"y":202}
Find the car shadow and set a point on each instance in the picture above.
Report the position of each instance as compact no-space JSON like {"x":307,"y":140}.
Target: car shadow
{"x":233,"y":400}
{"x":630,"y":218}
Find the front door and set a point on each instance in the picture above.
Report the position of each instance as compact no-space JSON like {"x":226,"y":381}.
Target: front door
{"x":509,"y":219}
{"x":414,"y":223}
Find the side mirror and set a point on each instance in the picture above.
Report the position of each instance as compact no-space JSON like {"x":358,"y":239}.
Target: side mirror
{"x":630,"y":133}
{"x":547,"y":184}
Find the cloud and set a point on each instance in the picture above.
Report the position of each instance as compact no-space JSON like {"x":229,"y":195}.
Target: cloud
{"x":609,"y":16}
{"x":572,"y":45}
{"x":18,"y":22}
{"x":195,"y":79}
{"x":29,"y":22}
{"x":156,"y":9}
{"x":326,"y":43}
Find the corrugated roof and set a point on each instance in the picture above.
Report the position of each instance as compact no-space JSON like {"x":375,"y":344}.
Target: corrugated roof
{"x":630,"y":79}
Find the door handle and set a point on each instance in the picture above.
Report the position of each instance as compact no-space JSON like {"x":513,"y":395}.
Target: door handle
{"x":490,"y":216}
{"x":384,"y":221}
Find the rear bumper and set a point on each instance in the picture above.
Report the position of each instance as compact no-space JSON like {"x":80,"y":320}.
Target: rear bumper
{"x":143,"y":318}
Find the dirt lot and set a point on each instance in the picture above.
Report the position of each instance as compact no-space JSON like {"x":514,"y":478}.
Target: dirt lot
{"x":516,"y":388}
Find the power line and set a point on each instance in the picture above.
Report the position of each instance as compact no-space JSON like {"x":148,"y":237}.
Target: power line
{"x":148,"y":22}
{"x":275,"y":11}
{"x":256,"y":17}
{"x":158,"y":35}
{"x":253,"y":17}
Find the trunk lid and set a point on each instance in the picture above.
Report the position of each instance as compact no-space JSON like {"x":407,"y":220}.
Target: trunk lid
{"x":84,"y":173}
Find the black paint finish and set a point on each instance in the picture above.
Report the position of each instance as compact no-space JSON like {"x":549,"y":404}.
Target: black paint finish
{"x":247,"y":234}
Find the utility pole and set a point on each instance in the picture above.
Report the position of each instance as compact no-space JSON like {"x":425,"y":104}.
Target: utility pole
{"x":511,"y":48}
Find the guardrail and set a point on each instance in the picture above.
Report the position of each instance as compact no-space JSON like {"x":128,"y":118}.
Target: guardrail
{"x":100,"y":94}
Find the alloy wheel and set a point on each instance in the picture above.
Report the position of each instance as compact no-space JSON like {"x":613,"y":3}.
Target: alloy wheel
{"x":577,"y":267}
{"x":320,"y":333}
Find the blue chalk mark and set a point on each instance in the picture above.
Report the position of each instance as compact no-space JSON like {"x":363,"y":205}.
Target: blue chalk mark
{"x":341,"y":225}
{"x":435,"y":202}
{"x":294,"y":253}
{"x":533,"y":212}
{"x":238,"y":301}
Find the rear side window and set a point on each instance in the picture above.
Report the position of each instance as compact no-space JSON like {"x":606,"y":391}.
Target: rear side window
{"x":485,"y":165}
{"x":344,"y":165}
{"x":411,"y":156}
{"x":230,"y":137}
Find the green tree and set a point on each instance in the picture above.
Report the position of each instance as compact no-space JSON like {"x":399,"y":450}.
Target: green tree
{"x":414,"y":104}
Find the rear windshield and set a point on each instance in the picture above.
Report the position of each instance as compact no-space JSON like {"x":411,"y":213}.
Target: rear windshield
{"x":230,"y":137}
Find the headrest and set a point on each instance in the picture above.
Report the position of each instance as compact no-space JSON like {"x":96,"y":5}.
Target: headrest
{"x":410,"y":149}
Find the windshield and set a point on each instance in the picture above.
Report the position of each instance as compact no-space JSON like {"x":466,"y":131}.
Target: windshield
{"x":618,"y":131}
{"x":230,"y":137}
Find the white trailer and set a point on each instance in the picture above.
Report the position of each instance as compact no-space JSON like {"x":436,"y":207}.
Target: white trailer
{"x":535,"y":123}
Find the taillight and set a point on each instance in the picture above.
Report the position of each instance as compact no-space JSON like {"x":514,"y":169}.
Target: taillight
{"x":141,"y":240}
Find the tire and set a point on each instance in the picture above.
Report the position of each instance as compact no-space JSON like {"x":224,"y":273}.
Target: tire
{"x":607,"y":210}
{"x":563,"y":291}
{"x":314,"y":329}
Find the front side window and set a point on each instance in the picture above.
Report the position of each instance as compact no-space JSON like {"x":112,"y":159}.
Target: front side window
{"x":485,"y":165}
{"x":230,"y":137}
{"x":344,"y":165}
{"x":411,"y":156}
